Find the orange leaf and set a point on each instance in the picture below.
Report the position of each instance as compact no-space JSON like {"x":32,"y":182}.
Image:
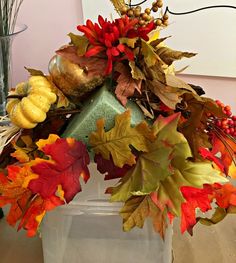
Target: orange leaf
{"x":13,"y":193}
{"x":35,"y":213}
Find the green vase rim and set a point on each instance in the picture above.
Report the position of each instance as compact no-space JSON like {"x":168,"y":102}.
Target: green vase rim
{"x":19,"y":28}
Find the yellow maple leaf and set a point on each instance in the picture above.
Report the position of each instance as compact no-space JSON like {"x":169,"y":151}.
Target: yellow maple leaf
{"x":118,"y":140}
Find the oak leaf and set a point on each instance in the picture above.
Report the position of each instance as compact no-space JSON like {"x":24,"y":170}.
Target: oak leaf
{"x":116,"y":142}
{"x":137,"y":209}
{"x":68,"y":162}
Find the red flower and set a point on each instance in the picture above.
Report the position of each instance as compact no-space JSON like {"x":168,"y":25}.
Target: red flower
{"x":104,"y":37}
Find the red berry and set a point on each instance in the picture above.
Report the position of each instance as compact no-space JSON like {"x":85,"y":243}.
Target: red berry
{"x":228,"y":113}
{"x":231,"y":122}
{"x":218,"y":102}
{"x":227,"y":131}
{"x":227,"y":108}
{"x":234,"y":118}
{"x":231,"y":130}
{"x":218,"y":123}
{"x":224,"y":122}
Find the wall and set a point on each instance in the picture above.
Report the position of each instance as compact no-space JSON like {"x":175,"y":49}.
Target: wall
{"x":50,"y":21}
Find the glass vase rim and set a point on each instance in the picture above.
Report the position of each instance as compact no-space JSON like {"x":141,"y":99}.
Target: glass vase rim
{"x":19,"y":28}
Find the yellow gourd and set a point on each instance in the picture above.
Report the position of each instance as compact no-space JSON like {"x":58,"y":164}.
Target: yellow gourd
{"x":30,"y":110}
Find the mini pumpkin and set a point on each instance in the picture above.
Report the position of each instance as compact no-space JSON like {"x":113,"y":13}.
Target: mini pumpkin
{"x":71,"y":79}
{"x":32,"y":108}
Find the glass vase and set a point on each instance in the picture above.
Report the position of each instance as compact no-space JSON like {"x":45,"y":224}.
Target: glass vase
{"x":5,"y":65}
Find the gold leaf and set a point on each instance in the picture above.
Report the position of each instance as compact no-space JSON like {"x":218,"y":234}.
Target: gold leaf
{"x":150,"y":57}
{"x":136,"y":71}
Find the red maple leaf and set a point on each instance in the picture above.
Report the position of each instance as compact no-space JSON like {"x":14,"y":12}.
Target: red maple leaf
{"x":196,"y":198}
{"x":224,"y":195}
{"x":108,"y":168}
{"x":69,"y":160}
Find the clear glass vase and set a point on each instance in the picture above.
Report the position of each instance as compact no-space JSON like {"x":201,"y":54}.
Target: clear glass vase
{"x":5,"y":65}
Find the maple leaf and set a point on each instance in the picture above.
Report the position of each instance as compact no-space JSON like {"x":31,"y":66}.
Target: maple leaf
{"x":117,"y":141}
{"x":108,"y":168}
{"x":95,"y":66}
{"x":225,"y":196}
{"x":137,"y":209}
{"x":196,"y":198}
{"x":35,"y":213}
{"x":13,"y":192}
{"x":126,"y":85}
{"x":68,"y":162}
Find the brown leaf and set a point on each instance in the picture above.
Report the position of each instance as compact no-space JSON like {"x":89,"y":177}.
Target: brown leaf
{"x":194,"y":128}
{"x":168,"y":55}
{"x":158,"y":41}
{"x":170,"y":96}
{"x":126,"y":84}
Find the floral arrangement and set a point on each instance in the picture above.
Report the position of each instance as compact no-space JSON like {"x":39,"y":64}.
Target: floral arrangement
{"x":174,"y":163}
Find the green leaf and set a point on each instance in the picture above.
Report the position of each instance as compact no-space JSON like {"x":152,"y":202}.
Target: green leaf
{"x":137,"y":209}
{"x":154,"y":166}
{"x":34,"y":72}
{"x":81,"y":42}
{"x":130,"y":42}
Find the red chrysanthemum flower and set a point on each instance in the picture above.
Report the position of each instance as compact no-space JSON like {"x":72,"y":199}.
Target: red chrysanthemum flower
{"x":104,"y":37}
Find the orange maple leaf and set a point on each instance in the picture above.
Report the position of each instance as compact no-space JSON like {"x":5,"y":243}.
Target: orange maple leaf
{"x":36,"y":211}
{"x":13,"y":193}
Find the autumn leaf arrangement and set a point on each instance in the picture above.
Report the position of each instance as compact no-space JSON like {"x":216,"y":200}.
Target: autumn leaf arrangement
{"x":175,"y":163}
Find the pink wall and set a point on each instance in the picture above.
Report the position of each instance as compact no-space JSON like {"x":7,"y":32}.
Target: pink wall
{"x":49,"y":22}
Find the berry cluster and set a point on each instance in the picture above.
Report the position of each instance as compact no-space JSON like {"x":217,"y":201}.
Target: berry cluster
{"x":146,"y":17}
{"x":228,"y":124}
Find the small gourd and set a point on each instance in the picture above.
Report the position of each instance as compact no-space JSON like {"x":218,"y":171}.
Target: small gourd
{"x":32,"y":108}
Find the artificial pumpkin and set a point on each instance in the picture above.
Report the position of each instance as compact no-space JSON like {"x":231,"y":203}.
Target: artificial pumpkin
{"x":31,"y":109}
{"x":71,"y":79}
